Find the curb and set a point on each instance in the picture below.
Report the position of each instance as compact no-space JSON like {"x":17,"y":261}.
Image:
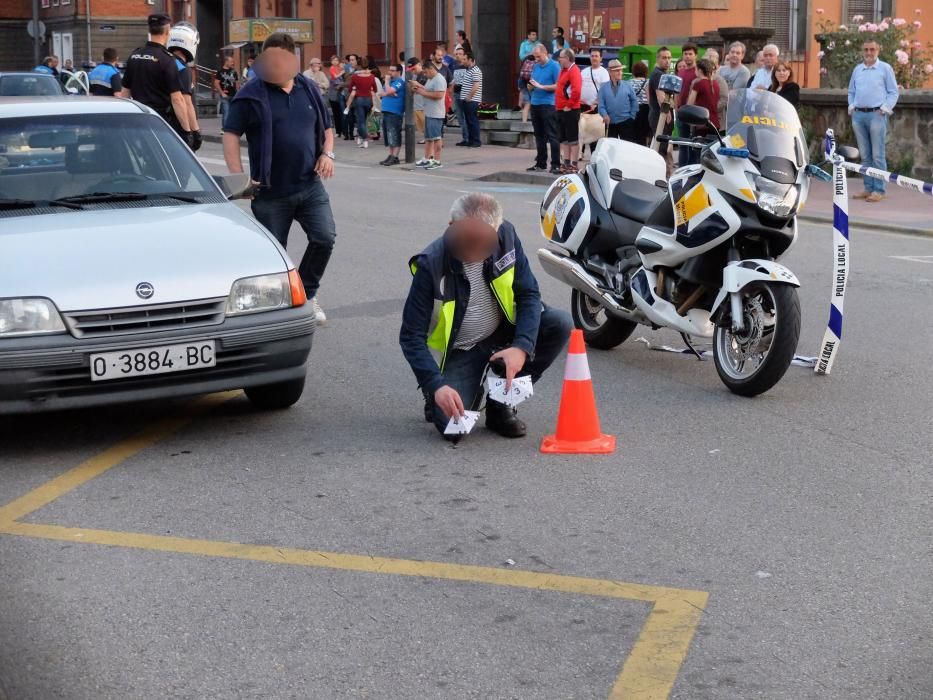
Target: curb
{"x":545,"y":179}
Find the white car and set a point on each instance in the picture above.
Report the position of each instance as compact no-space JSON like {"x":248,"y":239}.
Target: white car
{"x":125,"y":271}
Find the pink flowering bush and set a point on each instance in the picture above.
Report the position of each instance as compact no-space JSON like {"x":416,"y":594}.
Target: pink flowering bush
{"x":841,"y":46}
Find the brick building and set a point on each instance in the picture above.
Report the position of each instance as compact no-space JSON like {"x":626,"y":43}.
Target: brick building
{"x":376,"y":27}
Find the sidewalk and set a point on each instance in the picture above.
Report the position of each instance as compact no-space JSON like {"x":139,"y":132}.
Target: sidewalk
{"x":902,"y":211}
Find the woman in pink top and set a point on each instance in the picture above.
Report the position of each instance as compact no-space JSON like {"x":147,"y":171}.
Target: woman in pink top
{"x":704,"y":92}
{"x":362,"y":88}
{"x":567,"y":104}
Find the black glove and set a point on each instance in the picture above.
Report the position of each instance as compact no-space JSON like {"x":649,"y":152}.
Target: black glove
{"x":198,"y":140}
{"x":188,"y":136}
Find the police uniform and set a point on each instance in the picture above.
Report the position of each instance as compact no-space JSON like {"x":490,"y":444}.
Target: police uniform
{"x":105,"y":80}
{"x":151,"y":76}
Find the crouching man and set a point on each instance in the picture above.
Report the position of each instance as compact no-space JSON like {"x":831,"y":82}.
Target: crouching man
{"x":473,"y":300}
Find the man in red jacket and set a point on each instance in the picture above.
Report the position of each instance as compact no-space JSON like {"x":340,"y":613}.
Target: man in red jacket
{"x":567,"y":103}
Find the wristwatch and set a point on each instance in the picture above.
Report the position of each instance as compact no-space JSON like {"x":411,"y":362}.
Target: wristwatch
{"x":331,"y":155}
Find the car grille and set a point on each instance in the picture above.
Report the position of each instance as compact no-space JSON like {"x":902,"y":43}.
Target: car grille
{"x":137,"y":319}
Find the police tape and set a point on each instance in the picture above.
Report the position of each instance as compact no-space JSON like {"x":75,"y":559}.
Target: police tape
{"x":833,"y":335}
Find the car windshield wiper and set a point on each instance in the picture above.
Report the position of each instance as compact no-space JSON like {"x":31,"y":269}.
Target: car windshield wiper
{"x":94,"y":197}
{"x":32,"y":204}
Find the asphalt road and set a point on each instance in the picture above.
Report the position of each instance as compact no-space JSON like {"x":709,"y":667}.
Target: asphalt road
{"x":804,"y":514}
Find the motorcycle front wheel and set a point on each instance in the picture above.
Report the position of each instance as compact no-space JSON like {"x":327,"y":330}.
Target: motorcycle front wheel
{"x":753,"y":361}
{"x":600,"y":330}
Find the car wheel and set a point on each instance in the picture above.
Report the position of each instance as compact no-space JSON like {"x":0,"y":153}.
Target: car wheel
{"x":271,"y":397}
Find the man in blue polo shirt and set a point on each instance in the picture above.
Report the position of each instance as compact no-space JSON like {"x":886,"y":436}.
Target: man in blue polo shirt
{"x":393,"y":109}
{"x":543,"y":83}
{"x":290,"y":139}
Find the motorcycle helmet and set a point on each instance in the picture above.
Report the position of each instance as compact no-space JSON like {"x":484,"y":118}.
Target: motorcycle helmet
{"x":184,"y":36}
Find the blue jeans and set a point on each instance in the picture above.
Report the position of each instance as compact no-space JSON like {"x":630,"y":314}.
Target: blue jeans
{"x":362,"y":106}
{"x":871,"y":129}
{"x":470,"y":111}
{"x":463,"y":370}
{"x":392,"y":128}
{"x":311,"y":209}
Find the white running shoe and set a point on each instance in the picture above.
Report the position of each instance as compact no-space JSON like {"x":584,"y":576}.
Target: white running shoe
{"x":359,"y":142}
{"x":433,"y":165}
{"x":423,"y":163}
{"x":366,"y":143}
{"x":319,"y":314}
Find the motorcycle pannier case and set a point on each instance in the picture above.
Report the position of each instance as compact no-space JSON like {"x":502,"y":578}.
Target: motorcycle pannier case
{"x":565,"y":213}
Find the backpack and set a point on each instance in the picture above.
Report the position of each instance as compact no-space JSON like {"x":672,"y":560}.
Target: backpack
{"x":528,"y":65}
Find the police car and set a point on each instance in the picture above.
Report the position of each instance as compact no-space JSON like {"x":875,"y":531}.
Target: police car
{"x":125,"y":271}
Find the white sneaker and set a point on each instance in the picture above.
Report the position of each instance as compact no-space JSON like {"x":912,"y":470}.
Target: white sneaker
{"x":366,"y":143}
{"x":319,"y":314}
{"x":433,"y":165}
{"x":359,"y":142}
{"x":424,"y":162}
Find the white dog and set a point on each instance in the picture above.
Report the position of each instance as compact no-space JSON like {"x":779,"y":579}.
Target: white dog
{"x":592,"y":129}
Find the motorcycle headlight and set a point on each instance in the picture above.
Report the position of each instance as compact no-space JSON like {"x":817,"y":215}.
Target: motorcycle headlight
{"x":262,"y":293}
{"x":31,"y":316}
{"x":775,"y":198}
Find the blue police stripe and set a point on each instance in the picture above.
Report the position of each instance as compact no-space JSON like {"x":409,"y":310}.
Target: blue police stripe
{"x":928,"y":187}
{"x":835,"y":321}
{"x":841,"y":221}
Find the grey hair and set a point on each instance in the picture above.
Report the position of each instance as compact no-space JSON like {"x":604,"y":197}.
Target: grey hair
{"x":738,"y":45}
{"x":568,"y":54}
{"x":541,"y":46}
{"x":771,"y":46}
{"x":477,"y":205}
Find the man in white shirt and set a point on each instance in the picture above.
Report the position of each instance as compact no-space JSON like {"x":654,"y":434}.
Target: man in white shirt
{"x":593,"y":78}
{"x":762,"y":78}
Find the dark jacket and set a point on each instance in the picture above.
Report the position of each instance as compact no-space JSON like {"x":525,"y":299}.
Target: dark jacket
{"x":791,"y":93}
{"x":254,"y":91}
{"x":419,"y":307}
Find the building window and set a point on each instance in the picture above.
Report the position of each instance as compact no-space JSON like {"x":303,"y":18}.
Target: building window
{"x":871,"y":10}
{"x":376,"y":33}
{"x":45,"y":4}
{"x":329,"y":39}
{"x":251,"y":8}
{"x":286,"y":8}
{"x":433,"y":25}
{"x":787,"y":19}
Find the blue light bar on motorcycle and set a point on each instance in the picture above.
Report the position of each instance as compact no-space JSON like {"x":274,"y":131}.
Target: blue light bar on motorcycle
{"x":734,"y":152}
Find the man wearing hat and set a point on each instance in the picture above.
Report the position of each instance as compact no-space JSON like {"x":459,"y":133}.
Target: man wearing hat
{"x":152,"y":78}
{"x":618,"y":105}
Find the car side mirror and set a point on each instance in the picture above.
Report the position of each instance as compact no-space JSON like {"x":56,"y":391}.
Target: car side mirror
{"x":847,"y":152}
{"x":693,"y":115}
{"x":234,"y":185}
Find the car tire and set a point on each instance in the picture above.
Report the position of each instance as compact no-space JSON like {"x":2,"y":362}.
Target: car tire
{"x":273,"y":397}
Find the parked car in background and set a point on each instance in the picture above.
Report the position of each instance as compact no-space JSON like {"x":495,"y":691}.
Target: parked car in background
{"x":29,"y":84}
{"x":125,"y":272}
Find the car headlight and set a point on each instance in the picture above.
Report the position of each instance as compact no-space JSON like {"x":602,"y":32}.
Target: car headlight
{"x":266,"y":293}
{"x":29,"y":317}
{"x":775,"y":198}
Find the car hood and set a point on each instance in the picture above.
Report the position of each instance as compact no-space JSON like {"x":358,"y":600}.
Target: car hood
{"x":95,"y":259}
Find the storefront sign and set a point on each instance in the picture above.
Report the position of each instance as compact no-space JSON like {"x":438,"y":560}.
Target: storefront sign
{"x":258,"y":30}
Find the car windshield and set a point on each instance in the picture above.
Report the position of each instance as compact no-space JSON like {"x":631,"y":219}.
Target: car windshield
{"x":766,"y":124}
{"x":53,"y":157}
{"x":37,"y":85}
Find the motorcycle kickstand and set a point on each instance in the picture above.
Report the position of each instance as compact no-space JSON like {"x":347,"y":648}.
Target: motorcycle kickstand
{"x":690,"y":347}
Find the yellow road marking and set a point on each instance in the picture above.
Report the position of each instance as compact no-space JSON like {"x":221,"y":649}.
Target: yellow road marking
{"x":648,"y":673}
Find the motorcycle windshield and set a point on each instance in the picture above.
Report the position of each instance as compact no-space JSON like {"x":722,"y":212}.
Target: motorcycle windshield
{"x":767,"y":125}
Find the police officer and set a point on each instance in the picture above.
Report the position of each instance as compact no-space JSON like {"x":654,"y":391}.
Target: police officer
{"x":49,"y":66}
{"x":105,"y":79}
{"x":152,"y":77}
{"x":183,"y":42}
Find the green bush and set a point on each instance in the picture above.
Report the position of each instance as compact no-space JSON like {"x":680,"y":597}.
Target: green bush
{"x":842,"y":49}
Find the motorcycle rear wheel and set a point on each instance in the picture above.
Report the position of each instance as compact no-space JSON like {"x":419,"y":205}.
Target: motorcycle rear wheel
{"x":751,"y":362}
{"x":600,"y":330}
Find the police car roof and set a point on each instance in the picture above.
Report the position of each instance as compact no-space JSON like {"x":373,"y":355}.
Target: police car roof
{"x":50,"y":106}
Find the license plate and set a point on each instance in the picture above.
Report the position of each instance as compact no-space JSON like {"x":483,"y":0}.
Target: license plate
{"x":155,"y":360}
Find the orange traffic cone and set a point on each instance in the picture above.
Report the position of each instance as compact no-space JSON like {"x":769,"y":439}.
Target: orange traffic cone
{"x":578,"y":422}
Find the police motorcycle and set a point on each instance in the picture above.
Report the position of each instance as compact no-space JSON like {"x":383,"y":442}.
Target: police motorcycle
{"x":698,"y":254}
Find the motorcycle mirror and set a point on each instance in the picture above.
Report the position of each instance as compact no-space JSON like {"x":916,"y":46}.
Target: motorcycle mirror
{"x":847,"y":152}
{"x":693,"y":115}
{"x":818,"y":172}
